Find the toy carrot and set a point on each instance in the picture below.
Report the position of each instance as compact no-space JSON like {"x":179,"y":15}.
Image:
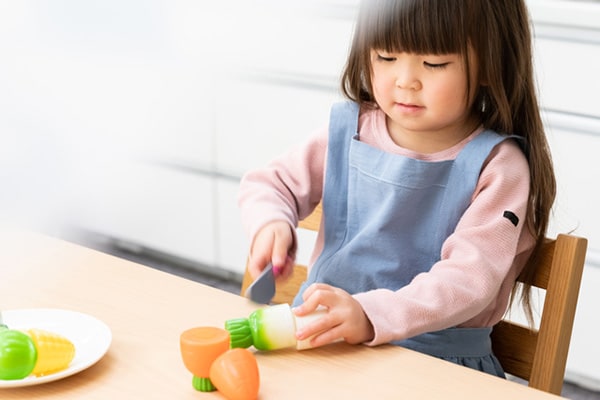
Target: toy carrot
{"x":200,"y":346}
{"x":235,"y":374}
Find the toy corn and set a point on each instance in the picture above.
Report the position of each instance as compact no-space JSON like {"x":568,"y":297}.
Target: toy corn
{"x":54,"y":352}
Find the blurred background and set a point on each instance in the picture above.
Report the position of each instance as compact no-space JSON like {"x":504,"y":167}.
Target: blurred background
{"x":129,"y":123}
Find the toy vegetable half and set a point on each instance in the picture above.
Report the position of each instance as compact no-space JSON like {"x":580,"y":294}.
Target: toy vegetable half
{"x":268,"y":328}
{"x":18,"y":354}
{"x":200,"y":346}
{"x":235,"y":374}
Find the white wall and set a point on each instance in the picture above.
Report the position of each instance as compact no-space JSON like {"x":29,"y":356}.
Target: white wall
{"x":136,"y":119}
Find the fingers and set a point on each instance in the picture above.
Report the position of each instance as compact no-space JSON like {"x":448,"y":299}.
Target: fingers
{"x":259,"y":257}
{"x":319,"y":296}
{"x":281,"y":245}
{"x":344,"y":317}
{"x":284,"y":271}
{"x":315,"y":295}
{"x":272,"y":244}
{"x":328,"y":336}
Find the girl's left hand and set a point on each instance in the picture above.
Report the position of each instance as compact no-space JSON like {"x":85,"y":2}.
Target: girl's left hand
{"x":345,"y":317}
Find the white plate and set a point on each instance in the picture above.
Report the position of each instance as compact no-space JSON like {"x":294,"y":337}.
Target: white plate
{"x":90,"y":336}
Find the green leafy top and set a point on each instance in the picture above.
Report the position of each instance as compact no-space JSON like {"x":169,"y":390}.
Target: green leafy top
{"x":239,"y":333}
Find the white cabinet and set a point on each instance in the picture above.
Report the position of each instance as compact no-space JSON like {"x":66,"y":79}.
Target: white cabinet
{"x":163,"y":209}
{"x":231,"y":243}
{"x":265,"y":119}
{"x":582,"y":364}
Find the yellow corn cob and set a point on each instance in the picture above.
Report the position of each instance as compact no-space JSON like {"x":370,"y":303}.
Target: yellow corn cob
{"x":54,"y":352}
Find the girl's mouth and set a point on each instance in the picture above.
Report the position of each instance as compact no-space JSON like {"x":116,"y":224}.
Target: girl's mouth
{"x":408,"y":107}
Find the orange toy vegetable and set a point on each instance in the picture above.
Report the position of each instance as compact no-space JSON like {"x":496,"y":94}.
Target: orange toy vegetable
{"x":199,"y":348}
{"x":235,"y":374}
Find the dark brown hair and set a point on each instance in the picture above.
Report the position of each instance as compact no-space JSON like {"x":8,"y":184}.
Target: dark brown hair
{"x":498,"y":34}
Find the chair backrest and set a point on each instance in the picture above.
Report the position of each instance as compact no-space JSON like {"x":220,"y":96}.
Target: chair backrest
{"x":537,"y":355}
{"x":540,"y":356}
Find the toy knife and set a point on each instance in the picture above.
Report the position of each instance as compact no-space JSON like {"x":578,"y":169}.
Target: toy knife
{"x":262,"y":289}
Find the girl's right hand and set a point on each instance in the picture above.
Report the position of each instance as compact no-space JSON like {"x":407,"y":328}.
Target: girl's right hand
{"x":274,"y":243}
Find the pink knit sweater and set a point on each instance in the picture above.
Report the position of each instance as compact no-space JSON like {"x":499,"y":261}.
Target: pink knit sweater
{"x":469,"y":287}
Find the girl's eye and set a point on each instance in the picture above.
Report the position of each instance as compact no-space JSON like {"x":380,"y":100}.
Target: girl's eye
{"x":435,"y":65}
{"x":384,"y":58}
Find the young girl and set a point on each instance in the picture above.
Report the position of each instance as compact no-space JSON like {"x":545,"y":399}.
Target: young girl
{"x":435,"y":178}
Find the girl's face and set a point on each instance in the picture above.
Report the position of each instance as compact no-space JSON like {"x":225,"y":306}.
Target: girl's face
{"x":424,"y":98}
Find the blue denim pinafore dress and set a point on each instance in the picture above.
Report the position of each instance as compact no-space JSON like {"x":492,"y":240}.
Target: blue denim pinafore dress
{"x":386,"y":217}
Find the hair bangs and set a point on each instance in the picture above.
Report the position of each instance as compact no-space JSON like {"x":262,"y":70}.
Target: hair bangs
{"x":414,"y":26}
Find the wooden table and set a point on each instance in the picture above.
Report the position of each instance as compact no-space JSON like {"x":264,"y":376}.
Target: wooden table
{"x":147,"y":310}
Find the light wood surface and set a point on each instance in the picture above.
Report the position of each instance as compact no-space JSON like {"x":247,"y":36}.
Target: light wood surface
{"x":147,"y":310}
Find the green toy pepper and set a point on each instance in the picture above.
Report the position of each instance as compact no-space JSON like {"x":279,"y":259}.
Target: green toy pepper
{"x":17,"y":354}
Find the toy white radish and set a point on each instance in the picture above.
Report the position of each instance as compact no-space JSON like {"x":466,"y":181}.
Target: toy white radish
{"x":270,"y":328}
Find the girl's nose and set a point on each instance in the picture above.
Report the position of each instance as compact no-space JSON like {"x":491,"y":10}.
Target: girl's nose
{"x":406,"y":78}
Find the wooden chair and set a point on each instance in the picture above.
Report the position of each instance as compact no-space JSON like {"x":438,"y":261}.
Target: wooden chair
{"x":538,"y":356}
